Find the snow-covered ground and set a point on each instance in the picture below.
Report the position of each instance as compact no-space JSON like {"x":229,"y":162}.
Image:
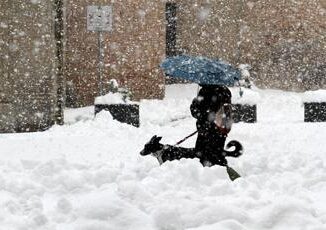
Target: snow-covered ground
{"x":88,"y":174}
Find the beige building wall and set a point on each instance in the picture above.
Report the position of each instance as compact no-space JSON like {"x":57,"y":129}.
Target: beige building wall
{"x":27,"y":65}
{"x":283,"y":41}
{"x":209,"y":28}
{"x":132,"y":50}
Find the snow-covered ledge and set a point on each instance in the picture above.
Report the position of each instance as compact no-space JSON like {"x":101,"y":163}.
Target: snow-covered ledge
{"x":314,"y":96}
{"x":120,"y":107}
{"x":113,"y":98}
{"x":248,"y":96}
{"x":314,"y":106}
{"x":244,"y":104}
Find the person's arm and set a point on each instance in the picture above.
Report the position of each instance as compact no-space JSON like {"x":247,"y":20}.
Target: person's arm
{"x":197,"y":109}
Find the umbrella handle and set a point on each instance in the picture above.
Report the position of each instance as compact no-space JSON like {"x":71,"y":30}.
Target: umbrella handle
{"x":240,"y":92}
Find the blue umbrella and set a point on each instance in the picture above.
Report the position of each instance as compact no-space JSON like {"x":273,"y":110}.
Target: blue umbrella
{"x":201,"y":70}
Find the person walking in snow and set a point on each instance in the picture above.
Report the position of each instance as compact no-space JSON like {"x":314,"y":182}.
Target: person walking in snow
{"x":212,"y":109}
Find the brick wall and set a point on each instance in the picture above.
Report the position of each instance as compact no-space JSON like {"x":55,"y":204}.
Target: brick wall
{"x":283,"y":41}
{"x":132,"y":50}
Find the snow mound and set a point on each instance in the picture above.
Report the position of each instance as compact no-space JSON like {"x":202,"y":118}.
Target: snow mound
{"x":314,"y":96}
{"x":249,"y":96}
{"x":89,"y":175}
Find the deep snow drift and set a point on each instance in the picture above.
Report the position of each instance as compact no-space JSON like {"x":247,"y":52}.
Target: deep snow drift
{"x":88,"y":174}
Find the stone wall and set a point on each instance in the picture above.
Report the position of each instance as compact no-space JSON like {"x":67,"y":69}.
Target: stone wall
{"x":27,"y":65}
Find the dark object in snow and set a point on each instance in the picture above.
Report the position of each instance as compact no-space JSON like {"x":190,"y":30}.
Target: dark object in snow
{"x":201,"y":70}
{"x":165,"y":153}
{"x":205,"y":107}
{"x":232,"y":173}
{"x":118,"y":103}
{"x":315,"y":111}
{"x":244,"y":112}
{"x":126,"y":113}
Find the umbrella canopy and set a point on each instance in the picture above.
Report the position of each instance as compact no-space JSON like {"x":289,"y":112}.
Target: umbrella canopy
{"x":201,"y":70}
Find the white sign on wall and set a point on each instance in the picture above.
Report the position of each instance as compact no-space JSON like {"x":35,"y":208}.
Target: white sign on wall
{"x":99,"y":18}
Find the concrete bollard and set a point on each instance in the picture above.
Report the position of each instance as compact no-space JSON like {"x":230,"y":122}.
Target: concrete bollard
{"x":245,"y":106}
{"x":314,"y":106}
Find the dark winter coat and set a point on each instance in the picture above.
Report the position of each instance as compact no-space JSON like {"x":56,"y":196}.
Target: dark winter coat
{"x":210,"y":141}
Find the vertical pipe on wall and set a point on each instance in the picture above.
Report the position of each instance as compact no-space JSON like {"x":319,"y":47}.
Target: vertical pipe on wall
{"x":171,"y":28}
{"x":60,"y":79}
